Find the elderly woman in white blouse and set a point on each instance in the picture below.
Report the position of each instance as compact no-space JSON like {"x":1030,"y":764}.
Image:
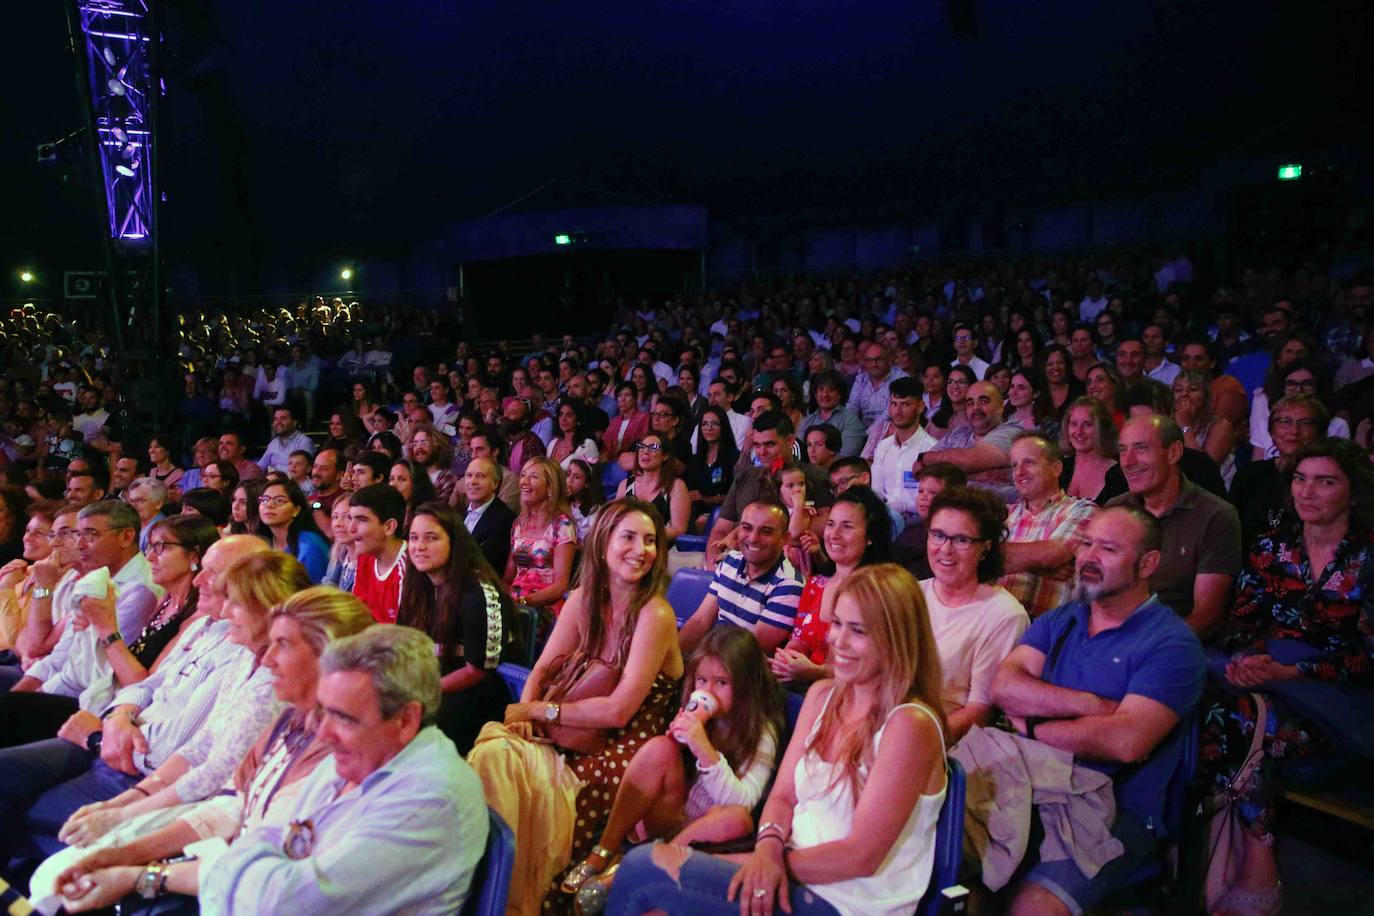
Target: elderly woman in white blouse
{"x":252,"y":587}
{"x":272,"y":773}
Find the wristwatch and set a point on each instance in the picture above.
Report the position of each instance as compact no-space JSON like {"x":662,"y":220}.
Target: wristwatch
{"x":93,"y":741}
{"x":152,"y":882}
{"x":552,"y":712}
{"x":110,"y":640}
{"x":39,"y":593}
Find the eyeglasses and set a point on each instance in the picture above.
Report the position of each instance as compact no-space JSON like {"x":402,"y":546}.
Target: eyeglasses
{"x":93,"y":534}
{"x":961,"y":542}
{"x":839,"y":483}
{"x":61,"y":535}
{"x":276,"y":502}
{"x":158,"y":548}
{"x":710,"y":424}
{"x":1290,"y":422}
{"x":662,"y":414}
{"x":962,"y":338}
{"x":1300,"y":385}
{"x":648,"y":447}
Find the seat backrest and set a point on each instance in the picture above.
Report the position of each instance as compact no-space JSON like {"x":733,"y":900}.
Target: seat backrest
{"x":949,"y":840}
{"x":515,"y":677}
{"x":490,"y":889}
{"x":687,"y":590}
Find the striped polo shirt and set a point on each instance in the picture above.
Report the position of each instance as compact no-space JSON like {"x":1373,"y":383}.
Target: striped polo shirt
{"x":771,"y":598}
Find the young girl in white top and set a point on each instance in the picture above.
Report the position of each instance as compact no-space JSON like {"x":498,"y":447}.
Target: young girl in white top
{"x":850,"y":825}
{"x":700,"y":782}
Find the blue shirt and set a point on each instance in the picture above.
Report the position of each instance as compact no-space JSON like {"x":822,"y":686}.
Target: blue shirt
{"x":1152,"y":654}
{"x":406,"y":840}
{"x":313,"y":552}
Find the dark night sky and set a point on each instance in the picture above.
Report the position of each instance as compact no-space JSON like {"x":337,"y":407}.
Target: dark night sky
{"x":305,"y":130}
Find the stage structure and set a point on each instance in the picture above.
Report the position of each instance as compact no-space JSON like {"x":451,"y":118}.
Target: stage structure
{"x":116,"y":45}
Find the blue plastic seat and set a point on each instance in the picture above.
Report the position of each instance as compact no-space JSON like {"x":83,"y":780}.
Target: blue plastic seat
{"x":515,"y":677}
{"x":490,"y":889}
{"x":687,"y":590}
{"x":949,"y":841}
{"x":697,"y":542}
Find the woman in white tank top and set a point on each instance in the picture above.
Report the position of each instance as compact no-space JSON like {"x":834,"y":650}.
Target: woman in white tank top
{"x":849,"y":827}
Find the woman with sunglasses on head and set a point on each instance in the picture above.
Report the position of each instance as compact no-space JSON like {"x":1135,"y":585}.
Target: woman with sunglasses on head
{"x":976,"y":621}
{"x":656,"y":480}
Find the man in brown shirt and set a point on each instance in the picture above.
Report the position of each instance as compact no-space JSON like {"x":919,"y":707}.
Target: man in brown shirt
{"x":1201,"y":556}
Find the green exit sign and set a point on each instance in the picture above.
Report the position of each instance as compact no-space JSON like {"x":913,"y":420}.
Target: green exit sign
{"x":562,"y":240}
{"x":1290,"y":172}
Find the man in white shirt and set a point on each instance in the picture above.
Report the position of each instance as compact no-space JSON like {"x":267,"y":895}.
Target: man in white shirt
{"x":1093,"y":303}
{"x":488,"y":518}
{"x":721,"y":393}
{"x":286,"y":439}
{"x":442,"y":411}
{"x":1157,"y":363}
{"x":894,"y":479}
{"x":92,"y":417}
{"x":965,"y":344}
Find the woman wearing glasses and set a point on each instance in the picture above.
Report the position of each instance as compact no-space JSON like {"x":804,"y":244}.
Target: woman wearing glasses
{"x":41,"y":704}
{"x":1257,"y":491}
{"x":976,"y":621}
{"x":287,"y":523}
{"x":657,"y":481}
{"x":1290,"y":376}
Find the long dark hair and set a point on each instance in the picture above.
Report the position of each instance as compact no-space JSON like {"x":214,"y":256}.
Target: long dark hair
{"x":434,"y":610}
{"x":601,"y":640}
{"x":195,"y":534}
{"x":727,"y":453}
{"x":421,"y":490}
{"x":757,"y":705}
{"x":252,"y":489}
{"x":304,"y":520}
{"x":877,"y":520}
{"x":1042,"y":406}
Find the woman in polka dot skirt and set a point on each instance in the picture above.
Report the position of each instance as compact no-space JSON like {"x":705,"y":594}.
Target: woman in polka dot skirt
{"x":616,"y":632}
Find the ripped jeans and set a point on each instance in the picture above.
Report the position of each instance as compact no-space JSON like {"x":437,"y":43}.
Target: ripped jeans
{"x":642,"y":885}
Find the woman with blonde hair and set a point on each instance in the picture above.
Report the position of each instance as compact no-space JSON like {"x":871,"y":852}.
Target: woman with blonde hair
{"x":1088,"y":439}
{"x":850,"y":824}
{"x":1202,"y":428}
{"x":606,"y":682}
{"x":543,"y":538}
{"x":262,"y":787}
{"x":250,"y":588}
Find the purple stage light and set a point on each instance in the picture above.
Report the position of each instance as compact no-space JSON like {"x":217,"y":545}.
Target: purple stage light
{"x":119,"y":37}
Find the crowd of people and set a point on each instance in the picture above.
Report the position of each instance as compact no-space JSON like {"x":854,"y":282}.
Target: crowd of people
{"x":1048,"y":518}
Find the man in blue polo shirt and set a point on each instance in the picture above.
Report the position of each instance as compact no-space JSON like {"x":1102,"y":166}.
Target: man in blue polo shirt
{"x":1107,"y":677}
{"x":755,"y":586}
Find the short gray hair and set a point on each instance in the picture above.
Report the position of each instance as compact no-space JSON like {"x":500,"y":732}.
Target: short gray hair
{"x":119,"y":513}
{"x":399,"y":660}
{"x":156,"y":489}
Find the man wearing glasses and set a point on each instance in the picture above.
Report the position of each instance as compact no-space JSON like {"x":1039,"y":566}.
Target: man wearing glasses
{"x":869,"y":395}
{"x":107,"y":544}
{"x":965,"y":344}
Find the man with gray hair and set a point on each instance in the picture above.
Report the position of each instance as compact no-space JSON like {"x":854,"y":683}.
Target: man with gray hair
{"x":147,"y":495}
{"x":394,"y":821}
{"x":1201,"y":555}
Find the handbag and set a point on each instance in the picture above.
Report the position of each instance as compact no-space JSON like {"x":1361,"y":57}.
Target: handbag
{"x":1225,"y":832}
{"x":596,"y":679}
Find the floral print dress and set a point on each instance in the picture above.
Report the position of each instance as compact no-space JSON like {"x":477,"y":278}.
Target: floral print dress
{"x":533,"y":552}
{"x":1279,"y":596}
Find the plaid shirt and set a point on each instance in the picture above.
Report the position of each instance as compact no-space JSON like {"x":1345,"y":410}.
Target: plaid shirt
{"x":1062,"y":519}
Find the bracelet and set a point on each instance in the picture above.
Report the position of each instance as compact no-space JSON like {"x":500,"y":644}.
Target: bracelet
{"x":770,"y":836}
{"x":772,"y":828}
{"x":1031,"y":722}
{"x":143,"y":790}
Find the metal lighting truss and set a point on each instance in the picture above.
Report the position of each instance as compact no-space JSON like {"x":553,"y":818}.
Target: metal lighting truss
{"x":121,"y":39}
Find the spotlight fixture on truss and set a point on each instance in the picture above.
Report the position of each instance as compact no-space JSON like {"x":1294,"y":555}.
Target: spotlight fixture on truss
{"x":121,"y":41}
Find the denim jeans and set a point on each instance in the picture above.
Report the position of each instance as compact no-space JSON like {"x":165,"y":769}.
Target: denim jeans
{"x":53,"y":807}
{"x":699,"y":890}
{"x":26,"y":772}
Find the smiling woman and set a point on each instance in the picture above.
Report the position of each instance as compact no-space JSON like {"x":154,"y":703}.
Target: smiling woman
{"x":264,"y":785}
{"x":605,"y":683}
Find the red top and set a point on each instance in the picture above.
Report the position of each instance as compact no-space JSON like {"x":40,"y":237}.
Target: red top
{"x":810,"y":630}
{"x":381,"y":592}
